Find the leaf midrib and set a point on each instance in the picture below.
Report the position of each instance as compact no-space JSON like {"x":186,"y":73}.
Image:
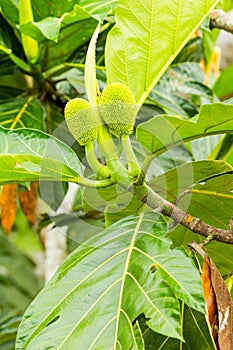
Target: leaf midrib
{"x":131,"y":246}
{"x":40,"y":326}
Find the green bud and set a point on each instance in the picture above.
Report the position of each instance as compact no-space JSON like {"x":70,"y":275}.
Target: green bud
{"x":118,"y":108}
{"x":81,"y":121}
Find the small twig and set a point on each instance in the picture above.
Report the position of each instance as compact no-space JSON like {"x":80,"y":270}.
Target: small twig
{"x":144,"y":168}
{"x":195,"y":246}
{"x":207,"y":240}
{"x":221,"y":20}
{"x":178,"y":199}
{"x":152,"y":199}
{"x":196,"y":225}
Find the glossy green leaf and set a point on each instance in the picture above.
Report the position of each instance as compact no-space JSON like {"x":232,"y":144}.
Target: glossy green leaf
{"x":68,"y":33}
{"x":30,"y":155}
{"x":196,"y":332}
{"x":47,"y":28}
{"x":163,"y":132}
{"x":51,"y":8}
{"x":79,"y":33}
{"x":174,"y":182}
{"x":100,"y":8}
{"x":56,"y":8}
{"x":88,"y":304}
{"x":211,"y":201}
{"x":142,"y":45}
{"x":50,"y":27}
{"x":10,"y":10}
{"x":22,"y":112}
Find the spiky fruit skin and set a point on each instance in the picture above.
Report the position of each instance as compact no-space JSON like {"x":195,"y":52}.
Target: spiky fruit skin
{"x":81,"y":121}
{"x":118,"y":108}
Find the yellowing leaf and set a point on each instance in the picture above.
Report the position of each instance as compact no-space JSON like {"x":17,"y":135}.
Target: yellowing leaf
{"x":8,"y":206}
{"x":28,"y":200}
{"x":219,"y":305}
{"x":210,"y":299}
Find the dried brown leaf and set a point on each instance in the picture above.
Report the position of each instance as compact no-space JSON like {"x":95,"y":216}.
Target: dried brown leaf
{"x":28,"y":201}
{"x":210,"y":299}
{"x":212,"y":280}
{"x":8,"y":206}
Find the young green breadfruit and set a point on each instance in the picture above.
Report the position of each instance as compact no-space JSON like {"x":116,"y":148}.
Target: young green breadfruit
{"x":81,"y":121}
{"x":118,"y":108}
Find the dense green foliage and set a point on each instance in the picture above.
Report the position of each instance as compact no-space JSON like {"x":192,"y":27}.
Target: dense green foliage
{"x":131,"y":281}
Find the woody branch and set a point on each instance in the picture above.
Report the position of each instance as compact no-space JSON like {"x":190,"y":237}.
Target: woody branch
{"x":221,"y":20}
{"x":194,"y":224}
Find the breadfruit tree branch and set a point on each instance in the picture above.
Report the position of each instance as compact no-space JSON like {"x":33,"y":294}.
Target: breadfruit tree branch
{"x":194,"y":224}
{"x":221,"y":20}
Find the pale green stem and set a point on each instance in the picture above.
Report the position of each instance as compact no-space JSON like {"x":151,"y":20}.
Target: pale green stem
{"x":105,"y":141}
{"x":144,"y":168}
{"x":95,"y":165}
{"x":109,"y":151}
{"x":94,"y":183}
{"x":130,"y":156}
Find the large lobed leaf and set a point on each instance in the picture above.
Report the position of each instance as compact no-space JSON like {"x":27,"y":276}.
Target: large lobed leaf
{"x":127,"y":270}
{"x":163,"y":132}
{"x":147,"y":37}
{"x":31,"y":155}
